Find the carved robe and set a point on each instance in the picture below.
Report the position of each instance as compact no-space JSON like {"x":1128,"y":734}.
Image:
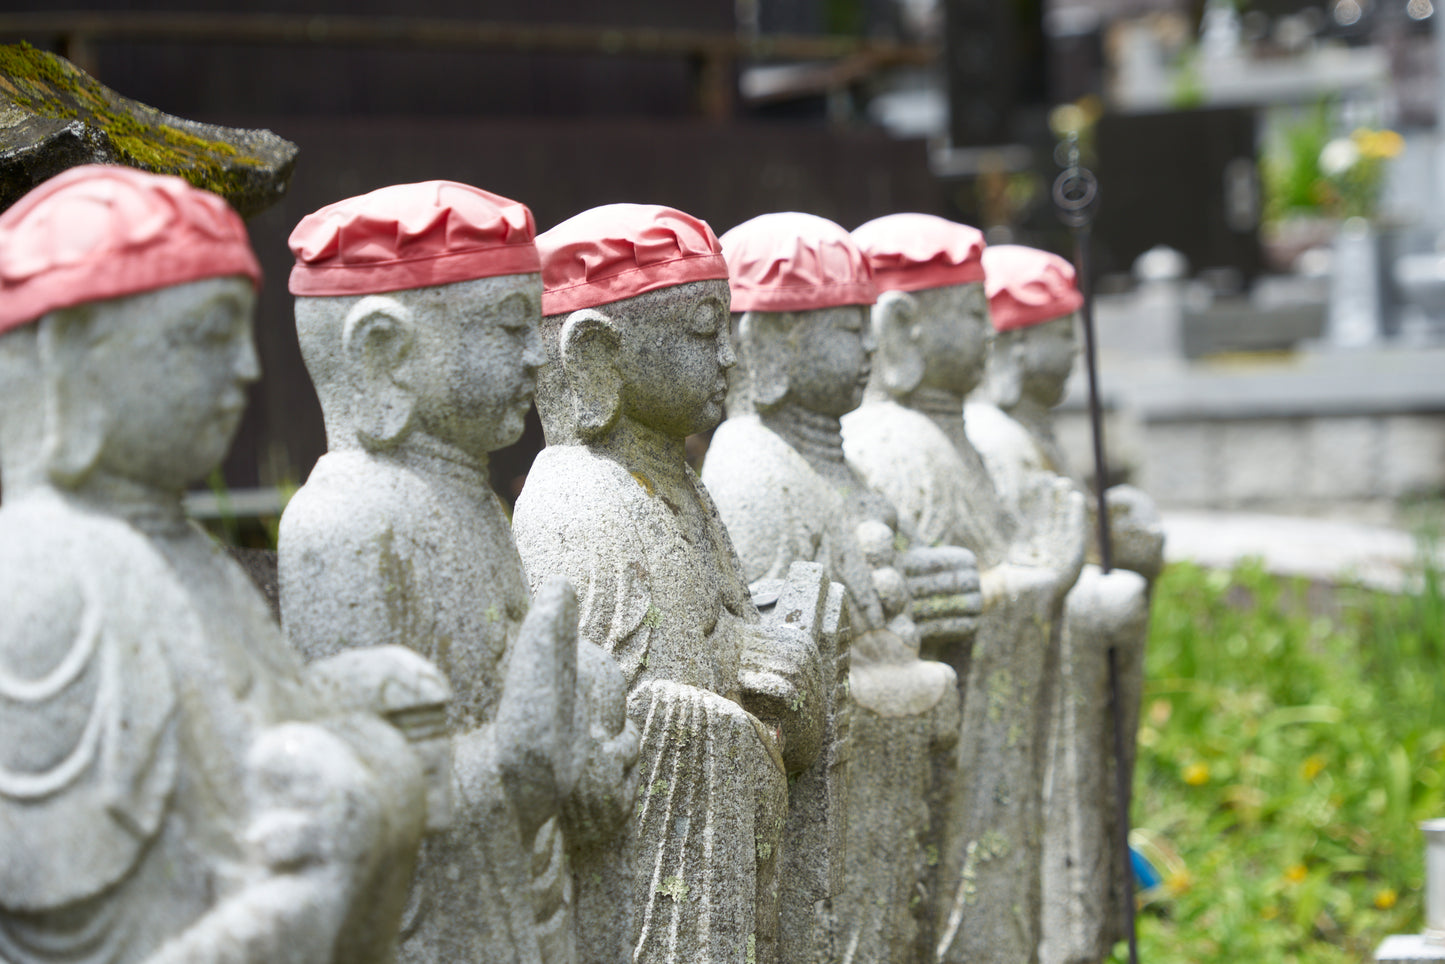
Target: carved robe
{"x":991,"y":905}
{"x":373,"y":552}
{"x":660,"y":589}
{"x":904,"y":727}
{"x":1086,"y":879}
{"x":138,"y":669}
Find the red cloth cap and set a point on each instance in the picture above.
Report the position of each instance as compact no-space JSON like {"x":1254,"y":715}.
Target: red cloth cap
{"x":790,"y":261}
{"x":411,"y":236}
{"x":910,"y":252}
{"x":619,"y":251}
{"x":96,"y":232}
{"x":1027,"y":286}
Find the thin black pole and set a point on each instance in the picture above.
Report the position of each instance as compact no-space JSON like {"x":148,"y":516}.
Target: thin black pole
{"x":1096,"y":414}
{"x":1075,"y":192}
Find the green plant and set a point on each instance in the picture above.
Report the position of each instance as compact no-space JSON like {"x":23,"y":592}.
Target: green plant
{"x":1291,"y":739}
{"x":1310,"y":171}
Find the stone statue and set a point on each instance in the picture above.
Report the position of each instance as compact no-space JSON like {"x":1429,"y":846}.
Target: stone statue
{"x":908,"y":441}
{"x":636,"y":328}
{"x":1033,"y":304}
{"x":800,"y":296}
{"x":417,"y":315}
{"x":174,"y":787}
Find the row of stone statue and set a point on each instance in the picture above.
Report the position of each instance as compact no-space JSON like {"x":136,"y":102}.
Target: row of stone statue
{"x":844,"y":699}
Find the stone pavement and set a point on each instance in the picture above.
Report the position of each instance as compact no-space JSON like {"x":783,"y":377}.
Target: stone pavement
{"x":1376,"y":556}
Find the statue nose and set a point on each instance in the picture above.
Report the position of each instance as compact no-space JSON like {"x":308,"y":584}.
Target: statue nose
{"x":248,"y":363}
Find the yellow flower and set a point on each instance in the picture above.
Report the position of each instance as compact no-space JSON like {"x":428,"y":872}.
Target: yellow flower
{"x":1296,"y":873}
{"x":1269,"y":911}
{"x":1313,"y":767}
{"x":1380,"y":145}
{"x":1196,"y":774}
{"x":1178,"y":882}
{"x":1386,"y":898}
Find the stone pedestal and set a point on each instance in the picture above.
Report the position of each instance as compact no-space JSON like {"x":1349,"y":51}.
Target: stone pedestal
{"x":1409,"y":949}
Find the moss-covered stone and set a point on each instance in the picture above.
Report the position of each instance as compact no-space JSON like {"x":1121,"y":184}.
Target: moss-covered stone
{"x":54,"y":116}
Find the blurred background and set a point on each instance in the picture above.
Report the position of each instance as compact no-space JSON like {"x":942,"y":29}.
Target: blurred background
{"x":1269,"y":243}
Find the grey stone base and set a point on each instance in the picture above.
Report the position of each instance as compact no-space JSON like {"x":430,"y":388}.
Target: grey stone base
{"x":1409,"y":949}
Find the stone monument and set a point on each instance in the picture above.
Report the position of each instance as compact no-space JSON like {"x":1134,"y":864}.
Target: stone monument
{"x":1033,"y":303}
{"x":800,"y":296}
{"x":174,"y":787}
{"x":417,"y":309}
{"x":636,"y":329}
{"x":908,"y":441}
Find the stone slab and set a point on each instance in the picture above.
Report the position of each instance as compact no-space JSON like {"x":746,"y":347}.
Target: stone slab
{"x":1409,"y":949}
{"x":54,"y":116}
{"x":1375,"y":556}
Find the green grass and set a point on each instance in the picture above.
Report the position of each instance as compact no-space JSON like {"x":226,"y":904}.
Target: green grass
{"x":1291,"y":740}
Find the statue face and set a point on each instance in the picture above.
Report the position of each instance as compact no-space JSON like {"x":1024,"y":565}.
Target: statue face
{"x":954,"y":336}
{"x":676,"y":350}
{"x":1047,"y":356}
{"x":171,"y":376}
{"x":830,"y":365}
{"x":483,"y":350}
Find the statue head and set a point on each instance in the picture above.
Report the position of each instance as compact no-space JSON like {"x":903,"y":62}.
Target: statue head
{"x":635,"y":324}
{"x":1034,"y":303}
{"x":125,"y":331}
{"x":931,"y":320}
{"x":417,"y":309}
{"x":801,"y":292}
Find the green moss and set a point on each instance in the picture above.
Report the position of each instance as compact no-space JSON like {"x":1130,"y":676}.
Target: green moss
{"x":49,"y":86}
{"x":674,"y":887}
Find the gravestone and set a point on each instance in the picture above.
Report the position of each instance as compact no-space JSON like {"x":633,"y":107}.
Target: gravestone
{"x":417,"y":309}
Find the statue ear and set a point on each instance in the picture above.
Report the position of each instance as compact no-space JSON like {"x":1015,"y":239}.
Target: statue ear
{"x":1006,"y":371}
{"x":588,"y":346}
{"x":378,"y":339}
{"x":75,"y":421}
{"x":899,"y":361}
{"x":765,"y":359}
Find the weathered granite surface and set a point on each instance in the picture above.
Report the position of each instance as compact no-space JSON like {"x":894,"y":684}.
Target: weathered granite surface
{"x":729,"y":705}
{"x":397,"y":538}
{"x":777,"y":472}
{"x":1086,"y":879}
{"x":54,"y":116}
{"x":174,"y":787}
{"x":908,"y":441}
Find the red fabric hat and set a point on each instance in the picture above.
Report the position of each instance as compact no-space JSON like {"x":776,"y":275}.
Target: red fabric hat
{"x":96,"y":232}
{"x":790,"y":261}
{"x":1027,"y":286}
{"x":411,"y":236}
{"x":618,"y":251}
{"x":910,"y":252}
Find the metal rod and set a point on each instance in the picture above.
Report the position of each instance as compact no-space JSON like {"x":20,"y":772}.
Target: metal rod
{"x":1075,"y":192}
{"x":1096,"y":416}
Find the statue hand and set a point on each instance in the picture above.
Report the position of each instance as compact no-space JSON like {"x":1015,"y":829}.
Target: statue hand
{"x":1057,"y":523}
{"x":606,"y":747}
{"x":411,"y":694}
{"x":782,"y":685}
{"x":944,"y":588}
{"x":536,"y":719}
